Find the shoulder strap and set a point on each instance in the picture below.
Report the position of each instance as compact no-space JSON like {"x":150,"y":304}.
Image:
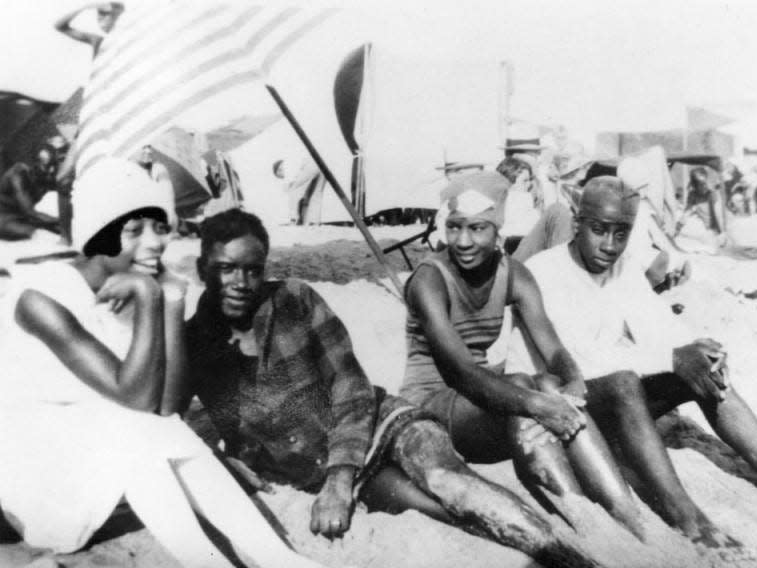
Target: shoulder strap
{"x":508,"y":293}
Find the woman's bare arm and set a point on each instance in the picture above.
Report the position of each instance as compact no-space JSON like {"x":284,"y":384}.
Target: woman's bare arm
{"x":137,"y":381}
{"x":527,"y":299}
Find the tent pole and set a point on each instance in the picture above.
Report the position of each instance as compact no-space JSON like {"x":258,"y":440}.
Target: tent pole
{"x":359,"y":223}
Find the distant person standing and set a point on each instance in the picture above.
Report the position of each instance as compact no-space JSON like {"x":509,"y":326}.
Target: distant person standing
{"x":21,"y":188}
{"x":107,"y":16}
{"x":157,"y":171}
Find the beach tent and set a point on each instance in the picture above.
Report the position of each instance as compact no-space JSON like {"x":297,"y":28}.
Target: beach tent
{"x":25,"y":123}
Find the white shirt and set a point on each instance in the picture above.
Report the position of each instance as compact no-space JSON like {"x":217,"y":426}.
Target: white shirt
{"x":619,"y":325}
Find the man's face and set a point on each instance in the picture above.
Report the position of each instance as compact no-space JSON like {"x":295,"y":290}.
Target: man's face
{"x":603,"y":231}
{"x":234,"y":273}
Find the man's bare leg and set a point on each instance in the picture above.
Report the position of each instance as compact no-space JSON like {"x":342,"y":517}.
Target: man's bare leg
{"x":618,"y":404}
{"x":594,"y":465}
{"x":735,"y":423}
{"x":424,"y":452}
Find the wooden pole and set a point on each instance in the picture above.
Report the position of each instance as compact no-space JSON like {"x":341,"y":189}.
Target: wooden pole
{"x":359,"y":223}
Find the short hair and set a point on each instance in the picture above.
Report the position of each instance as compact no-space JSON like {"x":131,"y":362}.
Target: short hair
{"x":510,"y":167}
{"x":107,"y":241}
{"x":229,"y":225}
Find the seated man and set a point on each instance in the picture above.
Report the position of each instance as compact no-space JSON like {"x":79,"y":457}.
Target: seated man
{"x":657,"y":254}
{"x":275,"y":369}
{"x":21,"y":188}
{"x":639,"y":361}
{"x":703,"y":217}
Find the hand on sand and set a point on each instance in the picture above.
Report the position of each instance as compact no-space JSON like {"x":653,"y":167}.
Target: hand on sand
{"x":332,"y":509}
{"x":702,"y":365}
{"x":560,"y":414}
{"x":119,"y":289}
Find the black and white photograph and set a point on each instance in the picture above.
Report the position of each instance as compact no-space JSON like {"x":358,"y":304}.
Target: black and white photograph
{"x":378,"y":284}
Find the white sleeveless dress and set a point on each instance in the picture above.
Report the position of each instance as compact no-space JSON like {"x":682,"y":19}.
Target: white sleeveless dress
{"x":67,"y":453}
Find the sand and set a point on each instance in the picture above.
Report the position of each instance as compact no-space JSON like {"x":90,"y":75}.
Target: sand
{"x":343,"y":271}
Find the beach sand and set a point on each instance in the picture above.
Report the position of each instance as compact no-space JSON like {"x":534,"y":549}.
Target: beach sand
{"x":344,"y":272}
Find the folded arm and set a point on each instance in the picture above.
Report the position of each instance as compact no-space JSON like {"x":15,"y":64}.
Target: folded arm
{"x":63,"y":25}
{"x":137,"y":381}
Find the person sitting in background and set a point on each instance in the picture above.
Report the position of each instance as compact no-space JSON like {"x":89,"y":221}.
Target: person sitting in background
{"x":638,"y":359}
{"x":157,"y":171}
{"x":275,"y":369}
{"x":456,"y":300}
{"x":520,"y":173}
{"x":21,"y":188}
{"x":91,"y":363}
{"x":107,"y":16}
{"x":703,"y":210}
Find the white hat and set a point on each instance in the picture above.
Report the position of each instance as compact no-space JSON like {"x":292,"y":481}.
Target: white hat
{"x":110,"y":189}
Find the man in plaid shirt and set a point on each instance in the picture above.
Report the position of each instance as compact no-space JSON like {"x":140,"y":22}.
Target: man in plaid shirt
{"x":274,"y":367}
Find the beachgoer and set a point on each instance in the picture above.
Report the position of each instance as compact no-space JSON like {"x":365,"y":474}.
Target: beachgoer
{"x":107,"y":16}
{"x":90,"y":366}
{"x":21,"y":188}
{"x":157,"y":171}
{"x":456,"y":300}
{"x":520,"y":173}
{"x":275,"y":369}
{"x":617,"y":330}
{"x":703,"y":210}
{"x":664,"y":265}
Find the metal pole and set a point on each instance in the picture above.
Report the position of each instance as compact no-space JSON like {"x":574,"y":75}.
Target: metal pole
{"x":359,"y":223}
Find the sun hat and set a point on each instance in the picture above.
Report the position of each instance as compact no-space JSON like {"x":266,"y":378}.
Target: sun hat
{"x":110,"y":189}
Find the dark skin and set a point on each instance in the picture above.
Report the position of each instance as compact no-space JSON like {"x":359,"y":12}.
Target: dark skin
{"x":426,"y":474}
{"x":139,"y":380}
{"x":519,"y":410}
{"x":234,"y":273}
{"x":21,"y":188}
{"x":619,"y":402}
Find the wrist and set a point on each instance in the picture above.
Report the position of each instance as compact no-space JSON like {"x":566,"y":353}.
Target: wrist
{"x":532,"y":404}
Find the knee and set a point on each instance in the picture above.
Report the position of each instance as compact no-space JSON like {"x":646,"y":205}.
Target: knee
{"x":427,"y":446}
{"x":547,"y":382}
{"x":624,"y":387}
{"x":521,"y":380}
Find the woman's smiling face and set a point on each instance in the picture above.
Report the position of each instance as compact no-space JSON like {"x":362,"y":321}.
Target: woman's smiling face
{"x":472,"y":241}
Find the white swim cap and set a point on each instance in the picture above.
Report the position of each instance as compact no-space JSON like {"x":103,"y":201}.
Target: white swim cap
{"x":110,"y":189}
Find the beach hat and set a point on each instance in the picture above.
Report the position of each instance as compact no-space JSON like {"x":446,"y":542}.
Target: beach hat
{"x":110,"y":189}
{"x":523,"y":137}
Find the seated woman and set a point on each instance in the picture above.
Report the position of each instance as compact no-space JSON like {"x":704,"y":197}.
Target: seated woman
{"x":456,"y":300}
{"x":91,"y":360}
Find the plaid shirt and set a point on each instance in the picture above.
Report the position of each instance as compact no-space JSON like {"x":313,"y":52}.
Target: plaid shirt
{"x":302,"y":405}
